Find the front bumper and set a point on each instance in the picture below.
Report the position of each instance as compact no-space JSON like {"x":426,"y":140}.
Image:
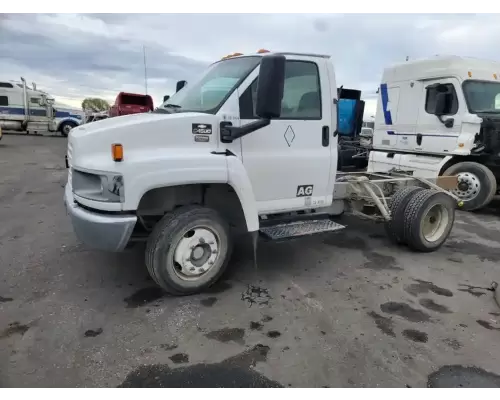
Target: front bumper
{"x":100,"y":231}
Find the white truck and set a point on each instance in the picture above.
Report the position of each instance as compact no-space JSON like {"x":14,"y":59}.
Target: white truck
{"x":259,"y":159}
{"x":441,"y":116}
{"x":28,"y":109}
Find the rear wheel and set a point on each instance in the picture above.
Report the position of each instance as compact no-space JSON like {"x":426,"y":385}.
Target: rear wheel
{"x":476,"y":184}
{"x":395,"y":227}
{"x":429,"y":218}
{"x":188,"y":250}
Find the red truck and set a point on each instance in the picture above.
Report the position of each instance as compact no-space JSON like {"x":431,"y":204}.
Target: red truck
{"x":131,"y":103}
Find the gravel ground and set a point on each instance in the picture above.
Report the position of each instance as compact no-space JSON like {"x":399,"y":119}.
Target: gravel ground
{"x":344,"y":309}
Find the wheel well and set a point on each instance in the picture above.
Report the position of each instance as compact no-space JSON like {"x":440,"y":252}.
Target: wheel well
{"x":68,"y":122}
{"x":221,"y":197}
{"x":456,"y":160}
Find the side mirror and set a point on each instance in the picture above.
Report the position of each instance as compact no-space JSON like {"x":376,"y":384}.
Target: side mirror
{"x":165,"y":98}
{"x":440,"y":108}
{"x":180,"y":85}
{"x":270,"y":86}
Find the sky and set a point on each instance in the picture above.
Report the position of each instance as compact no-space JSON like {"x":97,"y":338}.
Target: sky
{"x":73,"y":56}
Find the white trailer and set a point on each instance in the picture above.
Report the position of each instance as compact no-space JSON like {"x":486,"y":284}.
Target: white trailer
{"x":441,"y":116}
{"x":262,"y":159}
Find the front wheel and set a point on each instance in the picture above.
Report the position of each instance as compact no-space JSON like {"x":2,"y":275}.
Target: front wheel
{"x":66,"y":127}
{"x":476,"y":184}
{"x":188,"y":250}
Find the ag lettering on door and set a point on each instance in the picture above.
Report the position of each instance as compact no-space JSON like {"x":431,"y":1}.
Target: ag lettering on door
{"x":304,"y":190}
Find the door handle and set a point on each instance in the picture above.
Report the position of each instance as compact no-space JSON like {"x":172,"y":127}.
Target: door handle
{"x":325,"y":136}
{"x":419,"y":138}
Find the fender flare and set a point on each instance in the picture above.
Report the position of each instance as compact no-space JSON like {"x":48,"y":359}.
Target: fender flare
{"x":67,"y":119}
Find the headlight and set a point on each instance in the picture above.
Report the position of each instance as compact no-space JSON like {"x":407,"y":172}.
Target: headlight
{"x":100,"y":187}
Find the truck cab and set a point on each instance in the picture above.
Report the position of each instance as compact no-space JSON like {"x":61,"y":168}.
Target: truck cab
{"x":441,"y":116}
{"x":251,"y":147}
{"x":131,"y":103}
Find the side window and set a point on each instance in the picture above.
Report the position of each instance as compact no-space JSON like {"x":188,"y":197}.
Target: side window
{"x":4,"y":101}
{"x":34,"y":100}
{"x":497,"y":102}
{"x":301,"y":94}
{"x":430,"y":99}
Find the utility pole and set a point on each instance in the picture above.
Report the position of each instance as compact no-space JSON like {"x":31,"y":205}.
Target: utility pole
{"x":145,"y":69}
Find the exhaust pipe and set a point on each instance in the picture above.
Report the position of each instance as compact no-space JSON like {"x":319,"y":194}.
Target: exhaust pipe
{"x":34,"y":85}
{"x":25,"y":100}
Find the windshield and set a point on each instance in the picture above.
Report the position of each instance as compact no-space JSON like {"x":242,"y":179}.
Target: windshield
{"x":208,"y":93}
{"x":482,"y":96}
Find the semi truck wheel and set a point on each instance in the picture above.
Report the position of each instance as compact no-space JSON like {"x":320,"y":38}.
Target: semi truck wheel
{"x":188,"y":250}
{"x":429,"y":217}
{"x":476,"y":184}
{"x":397,"y":206}
{"x":66,"y":127}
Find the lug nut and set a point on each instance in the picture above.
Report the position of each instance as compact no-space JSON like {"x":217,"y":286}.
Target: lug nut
{"x":191,"y":269}
{"x":214,"y":251}
{"x":210,"y":263}
{"x":202,"y":240}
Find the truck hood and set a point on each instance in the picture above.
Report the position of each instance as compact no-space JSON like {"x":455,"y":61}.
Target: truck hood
{"x":89,"y":145}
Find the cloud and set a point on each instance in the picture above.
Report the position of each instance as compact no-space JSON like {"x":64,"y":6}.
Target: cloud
{"x":73,"y":56}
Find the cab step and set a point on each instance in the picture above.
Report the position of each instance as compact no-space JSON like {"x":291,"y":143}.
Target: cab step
{"x":300,"y":228}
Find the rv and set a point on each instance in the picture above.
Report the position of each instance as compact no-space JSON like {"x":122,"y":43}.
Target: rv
{"x":28,"y":109}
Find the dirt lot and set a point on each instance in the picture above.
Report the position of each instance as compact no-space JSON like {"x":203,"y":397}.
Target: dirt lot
{"x":344,"y":309}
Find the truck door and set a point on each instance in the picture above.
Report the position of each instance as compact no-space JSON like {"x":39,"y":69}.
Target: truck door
{"x":289,"y":161}
{"x":432,"y":136}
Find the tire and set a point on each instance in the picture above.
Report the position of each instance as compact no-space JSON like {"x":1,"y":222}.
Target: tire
{"x":395,"y":227}
{"x":424,"y":207}
{"x":65,"y":127}
{"x":173,"y":239}
{"x":476,"y":176}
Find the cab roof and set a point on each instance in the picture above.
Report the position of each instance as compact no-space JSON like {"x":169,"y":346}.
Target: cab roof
{"x":440,"y":66}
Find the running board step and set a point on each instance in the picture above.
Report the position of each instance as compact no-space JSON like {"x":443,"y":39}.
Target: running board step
{"x":300,"y":228}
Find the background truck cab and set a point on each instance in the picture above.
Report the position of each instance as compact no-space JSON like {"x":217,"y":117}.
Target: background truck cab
{"x":131,"y":103}
{"x":441,"y":116}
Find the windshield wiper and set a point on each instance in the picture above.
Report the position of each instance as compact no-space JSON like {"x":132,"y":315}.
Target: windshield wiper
{"x":170,"y":105}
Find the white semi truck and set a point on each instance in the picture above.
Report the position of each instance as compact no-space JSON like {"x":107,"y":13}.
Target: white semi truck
{"x":260,"y":158}
{"x":441,"y":116}
{"x":28,"y":109}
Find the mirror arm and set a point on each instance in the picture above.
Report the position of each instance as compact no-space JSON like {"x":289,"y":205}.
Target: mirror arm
{"x":230,"y":133}
{"x":448,"y":123}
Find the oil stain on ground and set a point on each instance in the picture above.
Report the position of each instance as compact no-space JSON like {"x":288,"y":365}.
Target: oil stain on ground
{"x":5,"y":299}
{"x":226,"y":335}
{"x":487,"y":325}
{"x":273,"y":334}
{"x":433,"y":306}
{"x":233,"y":372}
{"x":405,"y":311}
{"x":256,"y":295}
{"x":476,"y":291}
{"x":92,"y":332}
{"x":179,"y":358}
{"x":208,"y":302}
{"x":256,"y":326}
{"x":15,"y":328}
{"x":144,"y":296}
{"x":484,"y":253}
{"x":423,"y":287}
{"x":386,"y":325}
{"x":416,"y":336}
{"x":378,"y":262}
{"x":459,"y":376}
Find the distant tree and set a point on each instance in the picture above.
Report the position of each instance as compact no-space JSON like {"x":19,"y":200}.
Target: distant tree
{"x":95,"y":104}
